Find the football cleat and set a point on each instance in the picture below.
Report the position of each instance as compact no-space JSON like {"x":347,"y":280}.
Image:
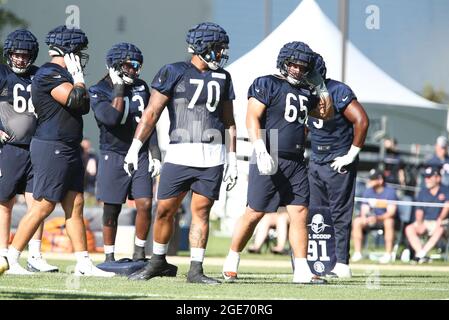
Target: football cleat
{"x":341,"y":271}
{"x":3,"y":265}
{"x":39,"y":264}
{"x":230,"y":267}
{"x":196,"y":274}
{"x":17,"y":269}
{"x":308,"y":279}
{"x":155,"y":268}
{"x":87,"y":269}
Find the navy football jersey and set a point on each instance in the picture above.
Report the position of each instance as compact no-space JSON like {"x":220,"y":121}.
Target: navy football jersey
{"x":55,"y":122}
{"x":333,"y":137}
{"x":287,"y":110}
{"x":195,"y":108}
{"x":117,"y":128}
{"x":17,"y":117}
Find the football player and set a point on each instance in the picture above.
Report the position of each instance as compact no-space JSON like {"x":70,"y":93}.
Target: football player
{"x":17,"y":125}
{"x":60,"y":100}
{"x":278,"y":106}
{"x":118,"y":101}
{"x":336,"y":144}
{"x":198,"y":95}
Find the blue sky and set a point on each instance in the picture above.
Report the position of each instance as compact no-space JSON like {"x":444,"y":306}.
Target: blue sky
{"x":412,"y":44}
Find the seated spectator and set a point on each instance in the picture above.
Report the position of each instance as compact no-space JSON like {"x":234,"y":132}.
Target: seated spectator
{"x":441,"y":159}
{"x":375,"y":214}
{"x":277,"y":220}
{"x":429,"y":220}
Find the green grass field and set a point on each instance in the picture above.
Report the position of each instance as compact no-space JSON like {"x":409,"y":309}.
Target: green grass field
{"x":255,"y":283}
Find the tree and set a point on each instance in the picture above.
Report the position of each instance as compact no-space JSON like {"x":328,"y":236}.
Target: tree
{"x":430,"y":93}
{"x":8,"y":18}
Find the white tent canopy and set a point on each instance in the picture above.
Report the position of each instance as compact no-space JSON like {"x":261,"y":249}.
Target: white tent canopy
{"x":309,"y":24}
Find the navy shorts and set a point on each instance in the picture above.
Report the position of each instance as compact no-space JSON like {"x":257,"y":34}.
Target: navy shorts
{"x":113,"y":183}
{"x":58,"y":168}
{"x":288,"y":186}
{"x":16,"y":174}
{"x":176,"y":179}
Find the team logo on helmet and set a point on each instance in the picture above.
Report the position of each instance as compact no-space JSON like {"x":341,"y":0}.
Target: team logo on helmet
{"x":20,"y":50}
{"x":127,"y":59}
{"x":318,"y":224}
{"x":297,"y":53}
{"x":62,"y":40}
{"x":210,"y":42}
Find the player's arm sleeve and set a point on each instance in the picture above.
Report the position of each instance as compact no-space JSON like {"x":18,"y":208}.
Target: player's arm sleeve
{"x":165,"y":80}
{"x":153,"y":146}
{"x":343,"y":97}
{"x":103,"y":110}
{"x":261,"y":90}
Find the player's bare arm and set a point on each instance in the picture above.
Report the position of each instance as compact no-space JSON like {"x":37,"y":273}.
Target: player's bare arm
{"x":355,"y":113}
{"x":151,"y":115}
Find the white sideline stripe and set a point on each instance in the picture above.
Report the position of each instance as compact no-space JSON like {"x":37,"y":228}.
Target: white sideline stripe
{"x":402,"y":202}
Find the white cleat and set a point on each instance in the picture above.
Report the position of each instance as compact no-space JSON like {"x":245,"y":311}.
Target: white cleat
{"x":307,"y":278}
{"x":39,"y":264}
{"x":356,"y":257}
{"x":230,"y":268}
{"x":341,"y":271}
{"x":17,"y":269}
{"x":3,"y":265}
{"x":87,"y":269}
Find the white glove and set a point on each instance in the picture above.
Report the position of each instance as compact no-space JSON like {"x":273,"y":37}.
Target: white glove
{"x":132,"y":157}
{"x":230,"y":171}
{"x":115,"y":77}
{"x":72,"y":62}
{"x":3,"y":136}
{"x":265,"y":162}
{"x":154,"y":166}
{"x":340,"y":162}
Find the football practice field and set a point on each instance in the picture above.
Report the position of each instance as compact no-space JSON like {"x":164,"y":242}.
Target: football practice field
{"x":256,"y":283}
{"x":261,"y":277}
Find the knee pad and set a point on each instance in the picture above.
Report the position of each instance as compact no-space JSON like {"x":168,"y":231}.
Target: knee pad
{"x":110,"y":214}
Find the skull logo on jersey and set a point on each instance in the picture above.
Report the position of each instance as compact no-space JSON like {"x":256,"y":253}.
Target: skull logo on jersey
{"x":318,"y":224}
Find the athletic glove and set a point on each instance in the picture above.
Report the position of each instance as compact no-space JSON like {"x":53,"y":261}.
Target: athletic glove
{"x":154,"y":166}
{"x":117,"y":83}
{"x":340,"y":162}
{"x":265,"y":162}
{"x":230,"y":174}
{"x":132,"y":157}
{"x":72,"y":62}
{"x":3,"y":136}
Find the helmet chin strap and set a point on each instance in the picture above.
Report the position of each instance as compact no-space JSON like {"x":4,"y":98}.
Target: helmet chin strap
{"x":213,"y":65}
{"x":127,"y":80}
{"x":19,"y":70}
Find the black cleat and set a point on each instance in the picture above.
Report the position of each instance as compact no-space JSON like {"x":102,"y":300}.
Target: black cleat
{"x":139,"y":253}
{"x":155,"y":268}
{"x":196,"y":274}
{"x":109,"y":257}
{"x":196,"y":277}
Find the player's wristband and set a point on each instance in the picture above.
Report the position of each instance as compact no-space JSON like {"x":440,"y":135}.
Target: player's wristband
{"x":231,"y":159}
{"x":119,"y":90}
{"x":354,"y":151}
{"x":135,"y":146}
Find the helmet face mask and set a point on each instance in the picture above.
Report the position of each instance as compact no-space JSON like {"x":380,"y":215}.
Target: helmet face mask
{"x":19,"y":61}
{"x":210,"y":42}
{"x":295,"y":61}
{"x":20,"y":50}
{"x":127,"y":59}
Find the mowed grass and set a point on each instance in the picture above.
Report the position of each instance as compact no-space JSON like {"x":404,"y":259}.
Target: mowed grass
{"x":255,"y":283}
